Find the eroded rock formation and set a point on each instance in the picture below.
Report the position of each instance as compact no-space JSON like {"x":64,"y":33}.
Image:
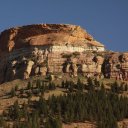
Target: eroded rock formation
{"x":56,"y":49}
{"x":62,"y":37}
{"x":116,"y":66}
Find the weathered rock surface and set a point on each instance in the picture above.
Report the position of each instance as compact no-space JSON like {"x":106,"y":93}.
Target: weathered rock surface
{"x":116,"y":66}
{"x":28,"y":69}
{"x":44,"y":35}
{"x":56,"y":49}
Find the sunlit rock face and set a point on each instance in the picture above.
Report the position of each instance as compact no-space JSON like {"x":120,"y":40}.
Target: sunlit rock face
{"x":44,"y":49}
{"x":55,"y":37}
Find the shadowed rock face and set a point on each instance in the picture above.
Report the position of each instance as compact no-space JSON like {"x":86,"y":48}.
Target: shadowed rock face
{"x":116,"y":66}
{"x":56,"y":49}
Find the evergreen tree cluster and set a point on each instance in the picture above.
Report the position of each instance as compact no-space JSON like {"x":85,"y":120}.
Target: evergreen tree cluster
{"x":80,"y":86}
{"x":95,"y":105}
{"x":41,"y":85}
{"x":33,"y":88}
{"x":119,"y":87}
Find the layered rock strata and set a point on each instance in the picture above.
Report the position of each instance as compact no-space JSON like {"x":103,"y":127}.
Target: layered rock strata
{"x":54,"y":37}
{"x":56,"y":49}
{"x":116,"y":66}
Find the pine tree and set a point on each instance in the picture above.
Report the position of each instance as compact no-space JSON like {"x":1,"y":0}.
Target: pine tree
{"x":14,"y":111}
{"x":115,"y":87}
{"x":29,"y":85}
{"x":13,"y":92}
{"x":42,"y":106}
{"x":35,"y":119}
{"x":90,"y":84}
{"x":16,"y":87}
{"x":53,"y":122}
{"x":63,"y":84}
{"x":2,"y":122}
{"x":38,"y":83}
{"x":126,"y":87}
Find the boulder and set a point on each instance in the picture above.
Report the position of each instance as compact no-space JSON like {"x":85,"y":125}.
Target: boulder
{"x":28,"y":69}
{"x":68,"y":68}
{"x":74,"y":69}
{"x":99,"y":60}
{"x":84,"y":68}
{"x":52,"y":77}
{"x":43,"y":71}
{"x":37,"y":69}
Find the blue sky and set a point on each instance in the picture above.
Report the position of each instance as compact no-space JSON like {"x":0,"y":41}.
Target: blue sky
{"x":105,"y":20}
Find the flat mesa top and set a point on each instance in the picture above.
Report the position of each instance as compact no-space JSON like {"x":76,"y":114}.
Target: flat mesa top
{"x":45,"y":34}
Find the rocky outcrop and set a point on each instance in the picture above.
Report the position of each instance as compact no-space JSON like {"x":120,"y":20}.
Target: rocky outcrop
{"x":43,"y":71}
{"x":28,"y":69}
{"x":38,"y":62}
{"x":54,"y":49}
{"x":116,"y":66}
{"x":45,"y":35}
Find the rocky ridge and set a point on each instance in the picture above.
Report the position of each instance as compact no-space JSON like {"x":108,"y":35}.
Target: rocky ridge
{"x":57,"y":49}
{"x":42,"y":34}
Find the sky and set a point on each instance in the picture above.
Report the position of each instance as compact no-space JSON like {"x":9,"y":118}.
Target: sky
{"x":105,"y":20}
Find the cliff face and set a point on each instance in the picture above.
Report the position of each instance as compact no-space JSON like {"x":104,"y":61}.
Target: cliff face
{"x":116,"y":66}
{"x":42,"y":34}
{"x":56,"y":49}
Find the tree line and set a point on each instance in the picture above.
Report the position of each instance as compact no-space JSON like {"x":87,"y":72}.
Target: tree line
{"x":101,"y":106}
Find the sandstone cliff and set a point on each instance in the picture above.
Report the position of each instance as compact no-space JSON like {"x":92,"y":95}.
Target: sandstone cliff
{"x":45,"y":34}
{"x":56,"y":49}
